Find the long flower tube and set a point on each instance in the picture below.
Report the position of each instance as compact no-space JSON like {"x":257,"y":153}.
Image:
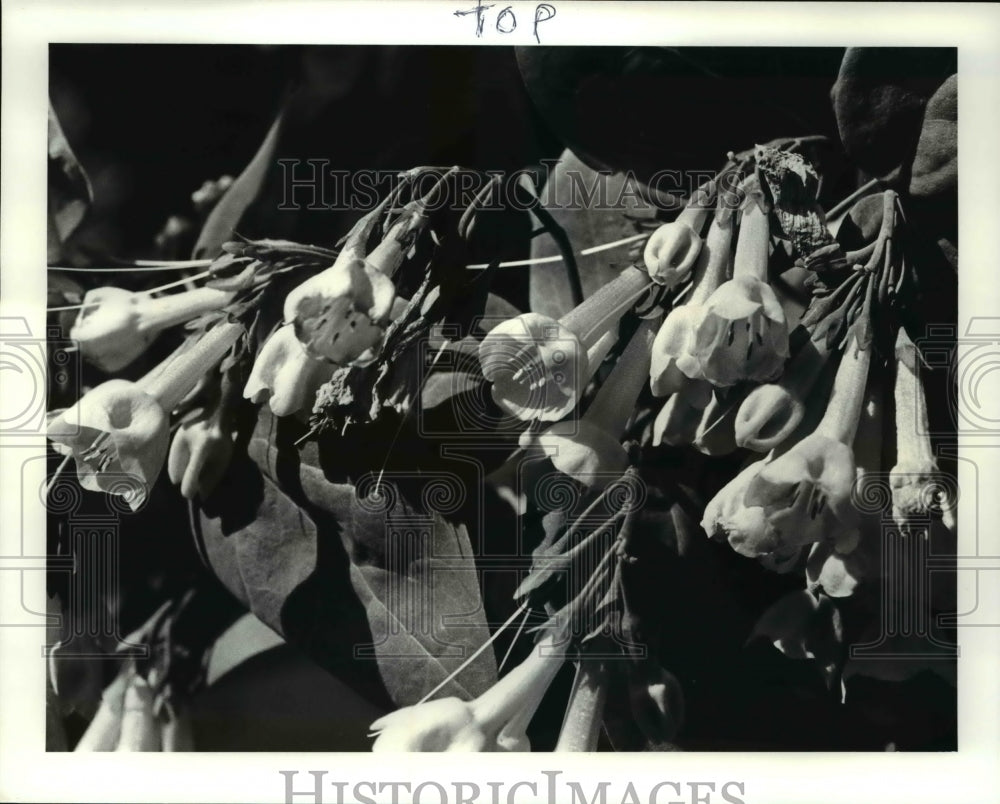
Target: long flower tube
{"x":495,"y":721}
{"x":589,"y":449}
{"x":773,"y":411}
{"x":118,"y":433}
{"x":742,"y":334}
{"x":802,"y":496}
{"x":539,"y":366}
{"x":674,"y":365}
{"x":116,"y":326}
{"x":915,"y":479}
{"x":805,"y":493}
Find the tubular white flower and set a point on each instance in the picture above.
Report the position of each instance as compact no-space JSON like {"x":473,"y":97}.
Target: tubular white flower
{"x":806,"y":492}
{"x":116,"y":326}
{"x":915,"y":478}
{"x":495,"y":721}
{"x":341,"y":312}
{"x":121,"y":428}
{"x":673,"y":361}
{"x":199,"y":456}
{"x":742,"y":334}
{"x":285,"y":374}
{"x":673,"y":249}
{"x":539,"y":366}
{"x":589,"y":449}
{"x":772,"y":412}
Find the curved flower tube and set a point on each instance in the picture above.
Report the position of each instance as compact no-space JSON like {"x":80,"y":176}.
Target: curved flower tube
{"x":673,"y":249}
{"x":116,"y":326}
{"x":285,"y":374}
{"x":495,"y":721}
{"x":802,"y":496}
{"x":539,"y":366}
{"x":772,"y":412}
{"x":199,"y":456}
{"x":121,"y":429}
{"x":673,"y":361}
{"x":742,"y":334}
{"x":915,"y":477}
{"x":805,"y":493}
{"x":589,"y":449}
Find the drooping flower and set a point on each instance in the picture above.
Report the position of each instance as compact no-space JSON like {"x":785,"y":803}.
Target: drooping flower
{"x":589,"y":449}
{"x":805,"y":493}
{"x":728,"y":517}
{"x":341,"y":312}
{"x":199,"y":456}
{"x":772,"y":412}
{"x":116,"y":326}
{"x":495,"y":721}
{"x":120,"y":430}
{"x":742,"y":334}
{"x":779,"y":504}
{"x":673,"y":249}
{"x":539,"y":366}
{"x":285,"y":374}
{"x":673,"y":362}
{"x":918,"y":490}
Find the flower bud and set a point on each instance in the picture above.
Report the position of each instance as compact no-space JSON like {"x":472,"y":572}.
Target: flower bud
{"x":671,"y":252}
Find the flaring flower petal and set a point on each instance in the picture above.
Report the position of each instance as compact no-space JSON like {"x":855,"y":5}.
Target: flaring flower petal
{"x":114,"y":432}
{"x":536,"y":366}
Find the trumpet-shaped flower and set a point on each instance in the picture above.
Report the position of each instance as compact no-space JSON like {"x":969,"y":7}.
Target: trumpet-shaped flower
{"x":448,"y":724}
{"x":115,"y":430}
{"x":742,"y":334}
{"x":674,"y":362}
{"x":121,"y":429}
{"x":340,"y":313}
{"x":805,"y":495}
{"x":116,"y":326}
{"x":727,"y":516}
{"x":285,"y":374}
{"x":915,"y":480}
{"x":199,"y":455}
{"x":495,"y":721}
{"x":671,"y":252}
{"x":772,"y":412}
{"x":539,"y":366}
{"x":589,"y":449}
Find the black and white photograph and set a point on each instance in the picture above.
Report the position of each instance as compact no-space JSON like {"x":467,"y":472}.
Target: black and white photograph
{"x":506,"y":395}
